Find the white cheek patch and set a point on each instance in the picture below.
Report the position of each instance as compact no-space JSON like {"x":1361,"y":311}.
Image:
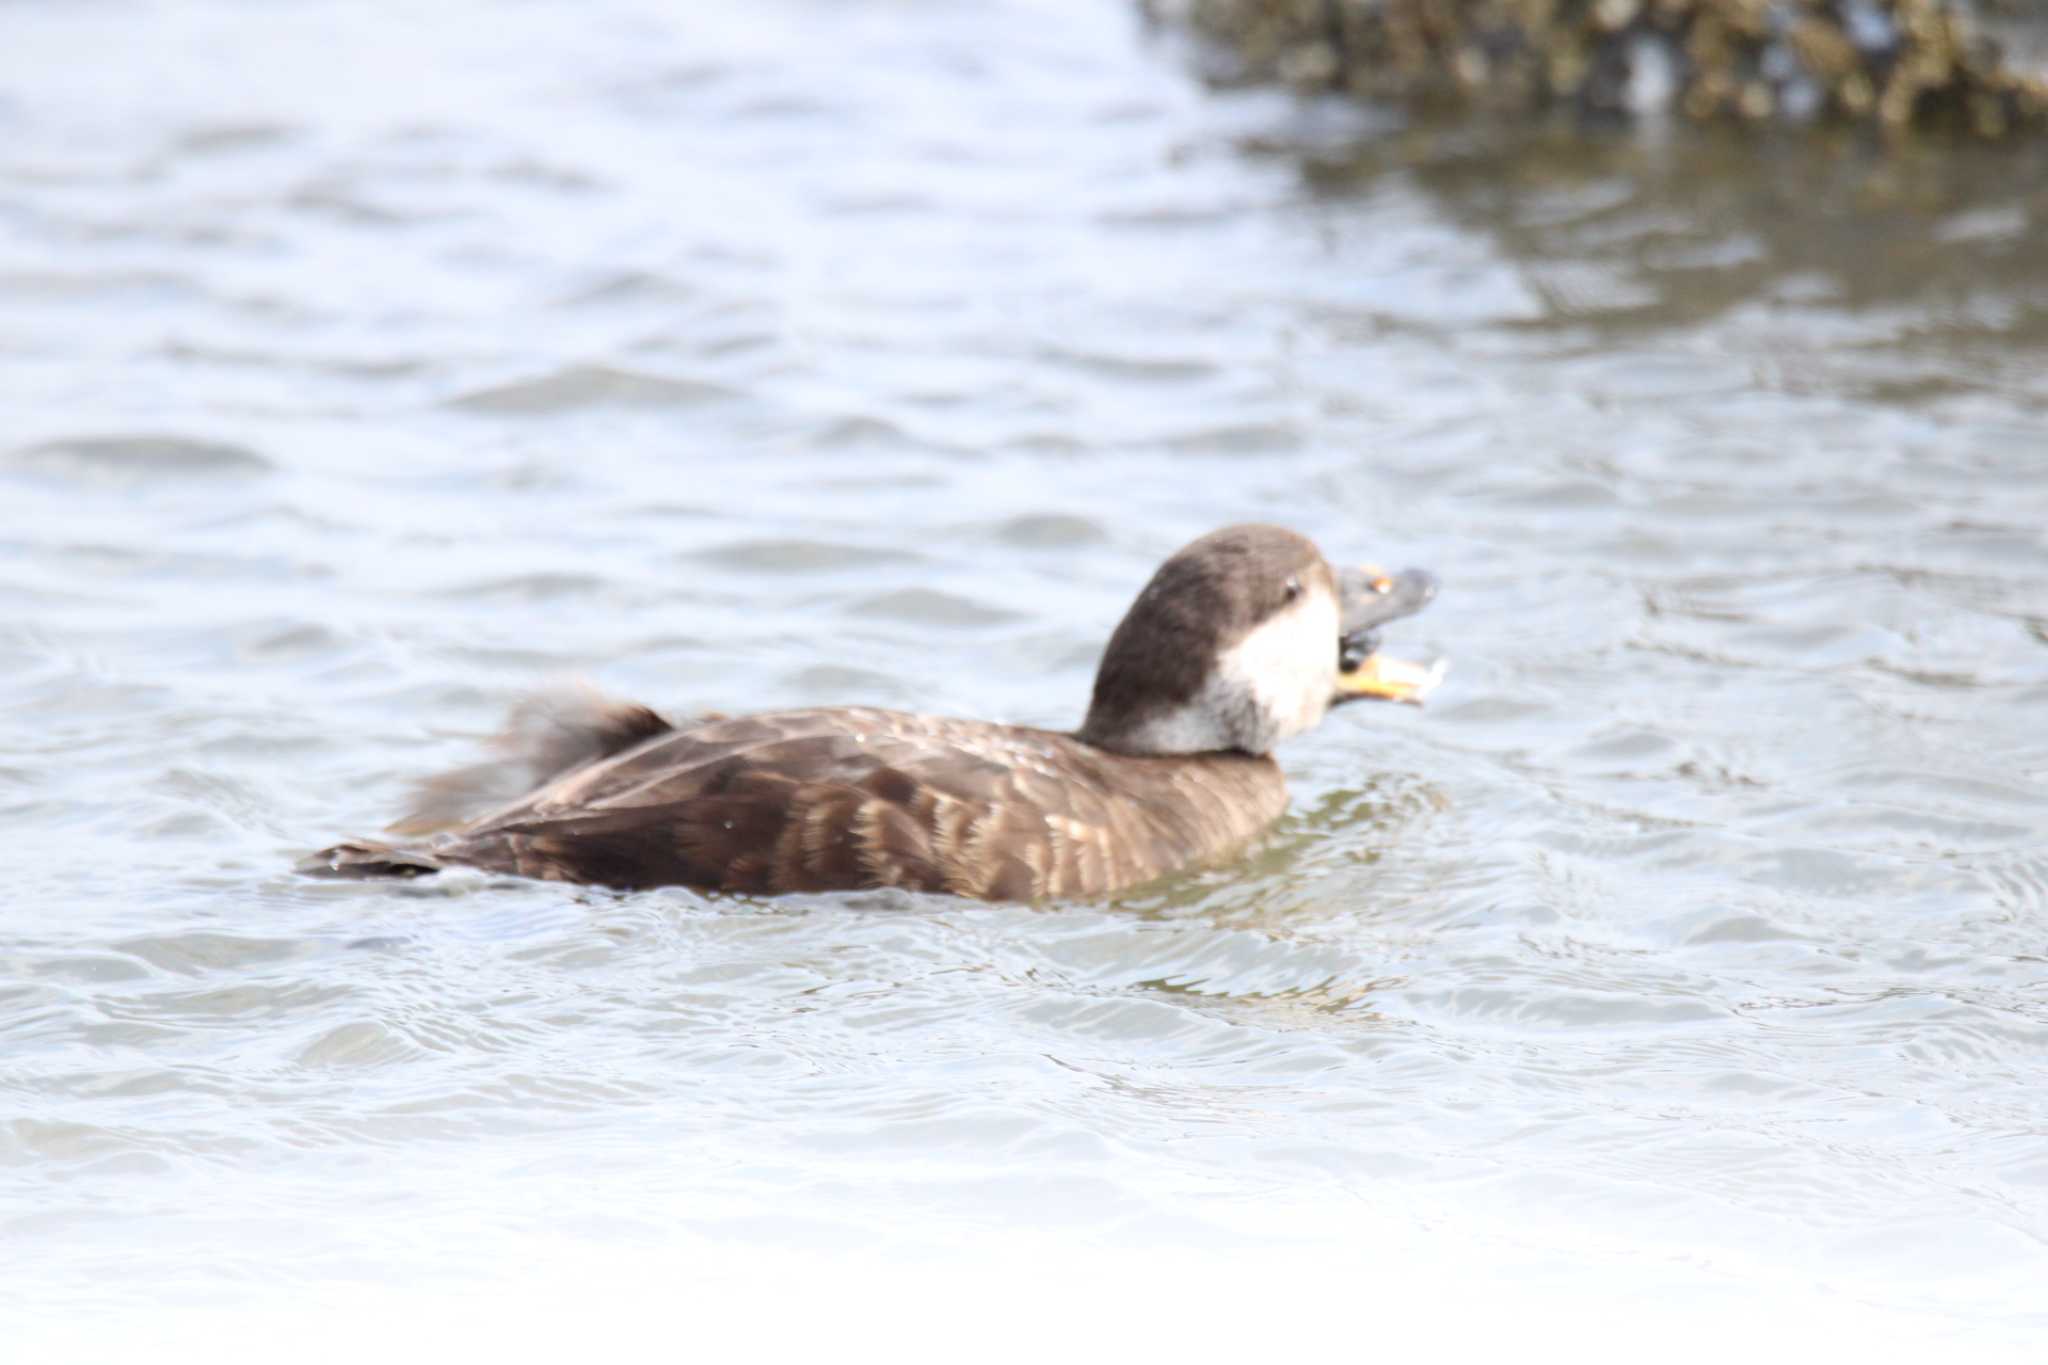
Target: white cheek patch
{"x":1287,"y":666}
{"x":1274,"y":683}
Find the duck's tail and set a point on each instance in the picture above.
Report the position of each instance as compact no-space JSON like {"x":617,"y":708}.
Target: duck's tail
{"x":545,"y":737}
{"x":364,"y":861}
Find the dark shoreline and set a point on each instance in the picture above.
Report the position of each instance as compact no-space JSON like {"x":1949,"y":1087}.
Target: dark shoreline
{"x":1891,"y":65}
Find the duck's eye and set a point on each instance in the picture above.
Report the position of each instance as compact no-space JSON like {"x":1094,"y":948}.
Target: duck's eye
{"x":1293,"y":588}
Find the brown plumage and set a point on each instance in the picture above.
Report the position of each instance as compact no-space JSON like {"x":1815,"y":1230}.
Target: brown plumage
{"x":1169,"y":771}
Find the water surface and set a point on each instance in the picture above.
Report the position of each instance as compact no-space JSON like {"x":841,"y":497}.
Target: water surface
{"x":367,"y":370}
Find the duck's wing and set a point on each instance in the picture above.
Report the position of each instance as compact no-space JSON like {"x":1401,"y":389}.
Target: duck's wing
{"x":843,"y":798}
{"x":781,"y":801}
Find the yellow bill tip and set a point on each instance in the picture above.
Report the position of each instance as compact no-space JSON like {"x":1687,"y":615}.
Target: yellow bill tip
{"x":1391,"y":679}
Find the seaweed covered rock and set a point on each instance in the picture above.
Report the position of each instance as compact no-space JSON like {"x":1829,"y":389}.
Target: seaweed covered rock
{"x":1892,"y":63}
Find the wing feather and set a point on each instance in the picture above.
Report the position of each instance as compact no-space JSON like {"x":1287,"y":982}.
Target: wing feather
{"x":844,"y":798}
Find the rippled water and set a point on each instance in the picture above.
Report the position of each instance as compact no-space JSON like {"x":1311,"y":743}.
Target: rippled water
{"x":367,"y":369}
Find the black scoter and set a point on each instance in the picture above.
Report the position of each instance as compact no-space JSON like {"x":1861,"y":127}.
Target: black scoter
{"x":1240,"y":640}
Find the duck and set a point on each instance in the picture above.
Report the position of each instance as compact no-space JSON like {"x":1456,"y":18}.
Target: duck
{"x":1241,"y":640}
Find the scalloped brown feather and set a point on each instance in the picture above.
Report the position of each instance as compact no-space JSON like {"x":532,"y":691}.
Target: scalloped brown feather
{"x":835,"y":799}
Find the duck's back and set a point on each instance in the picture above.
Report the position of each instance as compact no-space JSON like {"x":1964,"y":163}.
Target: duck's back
{"x":843,"y":798}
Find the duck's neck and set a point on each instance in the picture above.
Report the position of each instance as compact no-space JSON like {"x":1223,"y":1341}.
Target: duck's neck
{"x":1215,"y":720}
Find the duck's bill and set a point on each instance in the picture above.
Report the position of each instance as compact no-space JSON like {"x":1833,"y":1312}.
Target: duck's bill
{"x":1371,"y":597}
{"x":1383,"y":678}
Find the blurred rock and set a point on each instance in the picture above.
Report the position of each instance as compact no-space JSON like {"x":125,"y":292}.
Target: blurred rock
{"x":1894,"y":64}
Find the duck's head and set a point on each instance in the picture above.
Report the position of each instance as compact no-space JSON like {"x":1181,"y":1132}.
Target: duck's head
{"x":1246,"y":637}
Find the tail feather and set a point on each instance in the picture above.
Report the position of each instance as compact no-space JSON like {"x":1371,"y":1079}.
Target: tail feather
{"x":365,"y":861}
{"x":544,"y":737}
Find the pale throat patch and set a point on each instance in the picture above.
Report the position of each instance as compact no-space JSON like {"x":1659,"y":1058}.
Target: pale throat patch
{"x":1288,"y":666}
{"x":1273,"y":684}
